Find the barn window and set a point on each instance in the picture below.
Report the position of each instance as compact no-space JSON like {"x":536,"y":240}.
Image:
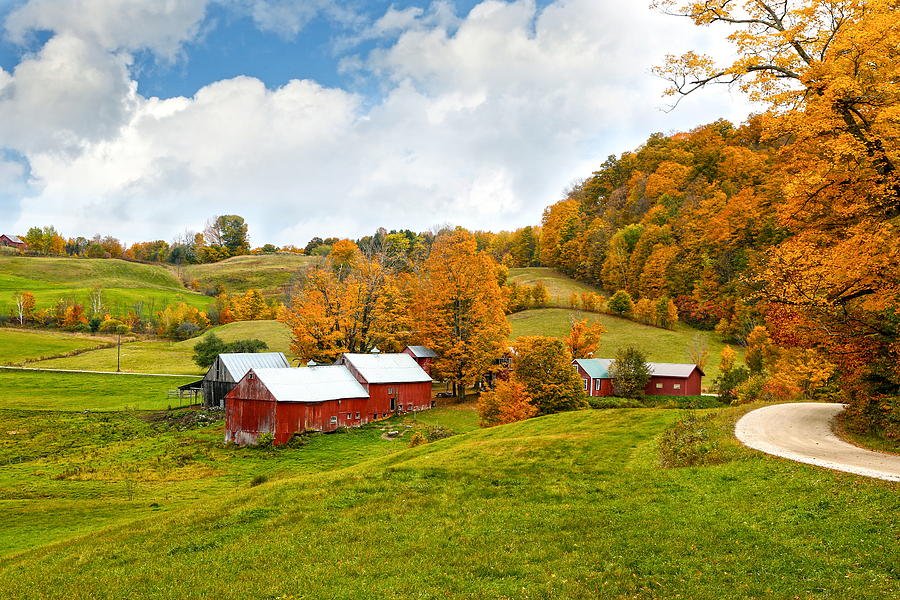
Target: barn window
{"x":409,"y":406}
{"x":677,"y":386}
{"x":585,"y":384}
{"x":597,"y":385}
{"x":333,"y":419}
{"x":357,"y":415}
{"x":659,"y":386}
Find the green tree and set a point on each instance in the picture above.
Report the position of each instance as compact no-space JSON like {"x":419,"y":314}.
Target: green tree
{"x":630,"y":373}
{"x":207,"y":349}
{"x":621,"y":303}
{"x":543,"y":365}
{"x":229,"y":231}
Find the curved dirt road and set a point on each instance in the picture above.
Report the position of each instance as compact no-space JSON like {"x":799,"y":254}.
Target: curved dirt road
{"x":802,"y":432}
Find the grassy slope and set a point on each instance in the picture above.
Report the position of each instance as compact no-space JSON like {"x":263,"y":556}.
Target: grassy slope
{"x":171,"y":357}
{"x":21,"y":345}
{"x":124,"y":283}
{"x":269,"y":273}
{"x":559,"y":285}
{"x":660,"y":345}
{"x":84,"y":391}
{"x":567,"y":506}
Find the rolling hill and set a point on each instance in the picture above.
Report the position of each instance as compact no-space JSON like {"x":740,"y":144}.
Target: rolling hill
{"x":559,"y":285}
{"x":572,"y":505}
{"x":124,"y":283}
{"x":269,"y":273}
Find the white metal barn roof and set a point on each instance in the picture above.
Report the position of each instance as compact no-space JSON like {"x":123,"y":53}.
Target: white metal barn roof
{"x":387,"y":368}
{"x":238,"y":363}
{"x":422,"y":352}
{"x":311,"y":384}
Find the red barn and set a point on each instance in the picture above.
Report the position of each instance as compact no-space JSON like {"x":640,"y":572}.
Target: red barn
{"x":395,"y":382}
{"x":423,"y":355}
{"x":288,"y":401}
{"x":12,"y":241}
{"x":666,"y":379}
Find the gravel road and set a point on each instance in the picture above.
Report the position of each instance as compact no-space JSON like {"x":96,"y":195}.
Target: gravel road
{"x":802,"y":432}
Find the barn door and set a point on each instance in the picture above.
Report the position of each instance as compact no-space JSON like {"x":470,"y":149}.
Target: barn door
{"x":393,"y":404}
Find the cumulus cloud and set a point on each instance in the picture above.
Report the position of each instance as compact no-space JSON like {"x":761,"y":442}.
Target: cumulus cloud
{"x":483,"y":120}
{"x":158,"y":25}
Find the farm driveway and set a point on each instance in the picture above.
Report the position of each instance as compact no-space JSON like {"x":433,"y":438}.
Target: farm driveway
{"x":802,"y":432}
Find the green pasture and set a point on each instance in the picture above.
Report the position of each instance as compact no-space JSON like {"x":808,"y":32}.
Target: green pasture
{"x":560,"y":286}
{"x":49,"y":390}
{"x":573,"y":506}
{"x":18,"y":345}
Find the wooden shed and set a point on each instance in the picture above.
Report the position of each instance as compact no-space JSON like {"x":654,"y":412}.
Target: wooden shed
{"x":423,"y":356}
{"x":284,"y":402}
{"x":666,"y":379}
{"x":229,"y":369}
{"x":395,"y":382}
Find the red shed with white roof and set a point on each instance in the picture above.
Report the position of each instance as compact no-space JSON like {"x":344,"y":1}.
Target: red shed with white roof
{"x":395,"y":382}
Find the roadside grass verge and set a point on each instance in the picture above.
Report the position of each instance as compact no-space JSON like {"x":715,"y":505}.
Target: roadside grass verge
{"x":573,"y":505}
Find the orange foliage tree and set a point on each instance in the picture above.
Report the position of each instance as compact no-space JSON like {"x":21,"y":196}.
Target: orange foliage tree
{"x":459,"y":310}
{"x":508,"y":402}
{"x":583,"y":338}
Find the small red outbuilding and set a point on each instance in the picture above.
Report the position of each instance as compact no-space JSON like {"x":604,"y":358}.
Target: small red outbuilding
{"x":395,"y":382}
{"x":666,"y":379}
{"x":423,"y":355}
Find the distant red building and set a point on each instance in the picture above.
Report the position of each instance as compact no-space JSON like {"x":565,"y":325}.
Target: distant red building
{"x":12,"y":241}
{"x":423,"y":355}
{"x":667,"y":379}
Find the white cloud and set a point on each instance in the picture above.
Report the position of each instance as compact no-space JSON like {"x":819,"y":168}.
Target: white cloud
{"x":483,"y":122}
{"x":159,"y":25}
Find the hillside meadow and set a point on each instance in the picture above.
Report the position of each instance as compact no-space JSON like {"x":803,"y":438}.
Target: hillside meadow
{"x":559,"y":286}
{"x":269,"y":273}
{"x":572,"y":505}
{"x":124,"y":283}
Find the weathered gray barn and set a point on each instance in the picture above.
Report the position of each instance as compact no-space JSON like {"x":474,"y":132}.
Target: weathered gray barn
{"x":229,"y":369}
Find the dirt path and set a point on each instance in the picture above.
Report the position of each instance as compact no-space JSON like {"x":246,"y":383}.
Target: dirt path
{"x":802,"y":432}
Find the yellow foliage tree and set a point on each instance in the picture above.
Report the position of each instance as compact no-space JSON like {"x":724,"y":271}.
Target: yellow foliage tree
{"x":583,"y":338}
{"x":508,"y":402}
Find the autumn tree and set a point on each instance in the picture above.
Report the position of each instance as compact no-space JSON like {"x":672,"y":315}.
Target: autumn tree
{"x":620,"y":303}
{"x":540,"y":295}
{"x":459,"y":309}
{"x":826,"y":70}
{"x":543,"y":365}
{"x":508,"y":402}
{"x":583,"y":338}
{"x":24,"y":306}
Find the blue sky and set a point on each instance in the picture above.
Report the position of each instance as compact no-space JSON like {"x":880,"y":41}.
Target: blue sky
{"x":144,"y":119}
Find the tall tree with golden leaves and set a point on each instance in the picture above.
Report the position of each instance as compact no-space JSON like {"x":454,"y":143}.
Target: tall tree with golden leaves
{"x":459,"y":310}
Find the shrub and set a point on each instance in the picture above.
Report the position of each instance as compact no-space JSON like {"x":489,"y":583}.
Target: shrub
{"x":417,"y":439}
{"x":596,"y":402}
{"x":751,"y":389}
{"x":690,"y":441}
{"x":728,"y":382}
{"x":265,"y":440}
{"x":258,"y":480}
{"x":437,"y":432}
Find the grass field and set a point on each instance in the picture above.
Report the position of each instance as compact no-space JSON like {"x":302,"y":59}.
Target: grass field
{"x":124,"y":283}
{"x":660,"y":345}
{"x":567,"y":506}
{"x":41,"y":390}
{"x":559,"y":286}
{"x":18,"y":345}
{"x":269,"y":273}
{"x":171,"y":357}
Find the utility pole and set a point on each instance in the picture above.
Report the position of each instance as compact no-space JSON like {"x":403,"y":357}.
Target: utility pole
{"x":118,"y":352}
